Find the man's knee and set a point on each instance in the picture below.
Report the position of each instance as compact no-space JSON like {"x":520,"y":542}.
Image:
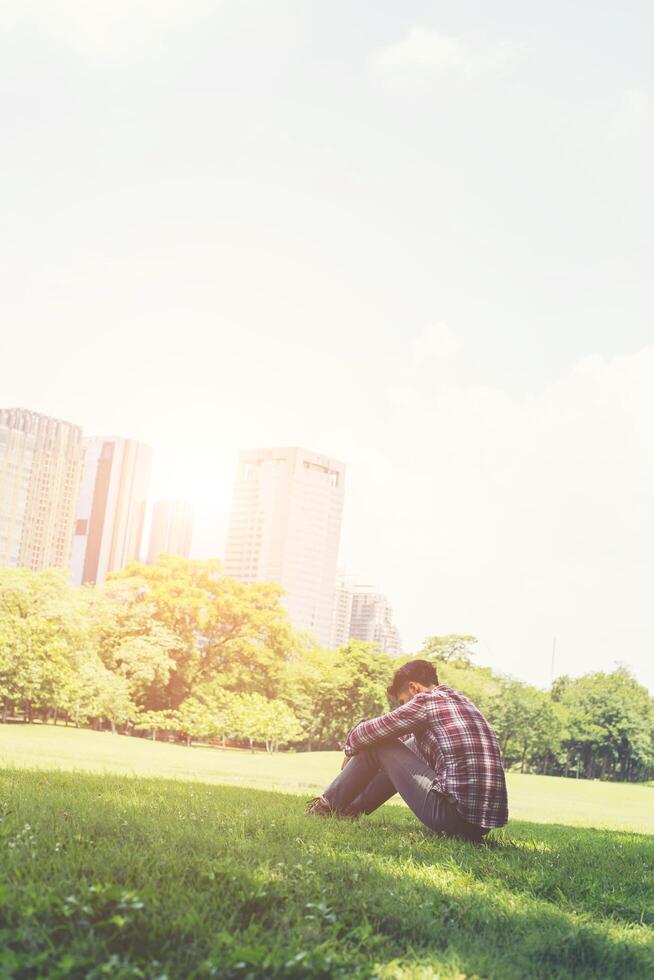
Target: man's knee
{"x":379,"y":748}
{"x":383,"y":751}
{"x":368,"y":756}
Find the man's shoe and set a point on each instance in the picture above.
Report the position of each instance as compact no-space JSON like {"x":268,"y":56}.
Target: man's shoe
{"x":321,"y":807}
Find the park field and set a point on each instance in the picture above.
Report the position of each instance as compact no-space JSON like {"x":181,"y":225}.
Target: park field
{"x":543,"y":799}
{"x":125,"y":858}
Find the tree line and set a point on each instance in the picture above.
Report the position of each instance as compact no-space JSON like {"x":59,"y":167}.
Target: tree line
{"x":178,"y":650}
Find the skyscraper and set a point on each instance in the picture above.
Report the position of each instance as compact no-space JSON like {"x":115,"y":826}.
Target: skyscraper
{"x":342,"y":616}
{"x":40,"y":468}
{"x":171,"y":529}
{"x":285,"y":527}
{"x":111,"y":507}
{"x":372,"y":620}
{"x":362,"y":612}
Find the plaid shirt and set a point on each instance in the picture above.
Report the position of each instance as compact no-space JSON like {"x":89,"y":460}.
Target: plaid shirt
{"x":454,"y":738}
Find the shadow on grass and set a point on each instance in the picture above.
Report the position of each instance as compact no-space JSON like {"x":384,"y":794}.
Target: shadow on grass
{"x":192,"y":873}
{"x":606,"y":874}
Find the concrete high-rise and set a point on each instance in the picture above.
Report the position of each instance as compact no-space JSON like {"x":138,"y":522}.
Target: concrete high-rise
{"x":111,"y":507}
{"x":362,"y":612}
{"x":372,"y":620}
{"x":285,"y":527}
{"x":171,"y":529}
{"x":342,"y":616}
{"x":40,"y":469}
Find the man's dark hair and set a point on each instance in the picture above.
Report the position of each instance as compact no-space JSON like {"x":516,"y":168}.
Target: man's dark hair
{"x":418,"y":671}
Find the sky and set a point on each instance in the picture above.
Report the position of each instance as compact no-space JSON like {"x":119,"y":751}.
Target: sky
{"x":416,"y":237}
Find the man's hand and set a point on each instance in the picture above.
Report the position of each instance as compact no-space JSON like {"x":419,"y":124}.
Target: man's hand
{"x":346,"y":759}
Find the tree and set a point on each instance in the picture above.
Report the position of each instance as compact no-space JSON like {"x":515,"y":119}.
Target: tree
{"x":279,"y":725}
{"x":241,"y":720}
{"x":43,"y":640}
{"x":255,"y":718}
{"x":222,"y":629}
{"x":509,"y":713}
{"x":453,"y":648}
{"x":610,"y":723}
{"x":155,"y":722}
{"x":331,"y":691}
{"x":194,"y":719}
{"x":172,"y":647}
{"x":202,"y":717}
{"x":479,"y":684}
{"x":145,"y":662}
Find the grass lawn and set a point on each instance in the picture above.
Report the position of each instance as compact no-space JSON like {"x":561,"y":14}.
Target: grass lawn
{"x":107,"y":875}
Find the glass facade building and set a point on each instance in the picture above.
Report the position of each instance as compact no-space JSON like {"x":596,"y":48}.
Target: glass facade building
{"x":171,"y":529}
{"x":40,"y":470}
{"x":285,"y":527}
{"x":111,"y":508}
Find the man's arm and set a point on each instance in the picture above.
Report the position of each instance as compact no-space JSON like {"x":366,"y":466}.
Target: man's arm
{"x":401,"y":721}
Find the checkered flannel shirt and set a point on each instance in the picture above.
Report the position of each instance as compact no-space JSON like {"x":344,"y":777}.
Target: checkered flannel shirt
{"x":453,"y":737}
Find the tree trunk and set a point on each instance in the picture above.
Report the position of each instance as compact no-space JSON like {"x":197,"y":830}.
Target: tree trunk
{"x":5,"y":712}
{"x":188,"y":740}
{"x":524,"y":756}
{"x":154,"y":734}
{"x":222,"y":739}
{"x":251,"y":747}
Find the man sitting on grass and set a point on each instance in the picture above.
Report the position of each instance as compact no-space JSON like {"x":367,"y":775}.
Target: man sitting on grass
{"x":449,"y":772}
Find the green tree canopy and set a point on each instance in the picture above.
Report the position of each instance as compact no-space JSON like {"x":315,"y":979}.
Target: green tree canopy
{"x":216,"y":628}
{"x":452,"y":648}
{"x":333,"y":690}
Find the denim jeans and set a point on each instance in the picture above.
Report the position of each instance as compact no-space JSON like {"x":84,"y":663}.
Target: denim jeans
{"x":376,"y":773}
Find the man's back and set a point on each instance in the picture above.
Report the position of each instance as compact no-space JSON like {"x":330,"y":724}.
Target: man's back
{"x":454,"y":738}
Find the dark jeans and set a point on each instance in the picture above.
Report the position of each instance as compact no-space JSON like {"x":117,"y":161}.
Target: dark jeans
{"x":375,"y":774}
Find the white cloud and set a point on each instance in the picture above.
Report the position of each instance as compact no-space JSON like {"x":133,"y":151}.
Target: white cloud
{"x":424,"y":51}
{"x":437,"y":341}
{"x":626,"y":126}
{"x":524,"y":518}
{"x":104,"y":29}
{"x":635,"y":103}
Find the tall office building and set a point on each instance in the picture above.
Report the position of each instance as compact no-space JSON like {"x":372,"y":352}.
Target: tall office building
{"x":111,"y":507}
{"x":342,"y":616}
{"x":171,"y":529}
{"x":372,"y":620}
{"x":362,"y":612}
{"x":285,"y":527}
{"x":40,"y":468}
